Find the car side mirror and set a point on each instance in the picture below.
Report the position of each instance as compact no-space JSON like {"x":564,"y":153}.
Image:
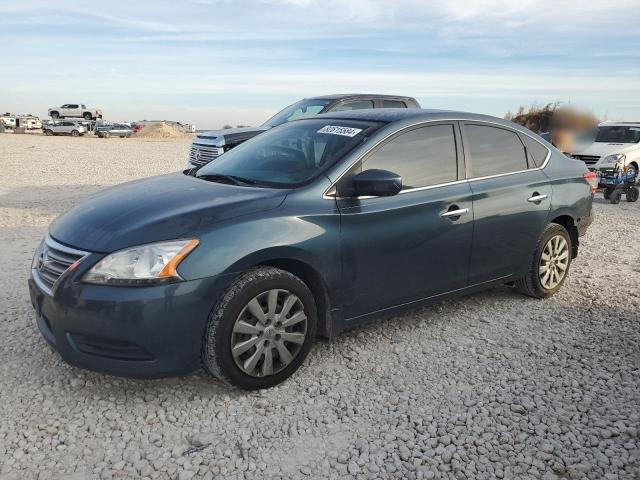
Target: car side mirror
{"x":377,"y":183}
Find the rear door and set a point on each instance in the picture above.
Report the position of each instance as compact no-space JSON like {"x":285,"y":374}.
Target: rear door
{"x":404,"y":248}
{"x":511,"y":200}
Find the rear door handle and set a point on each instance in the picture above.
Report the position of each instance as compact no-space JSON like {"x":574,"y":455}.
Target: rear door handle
{"x":537,"y":198}
{"x":454,"y":213}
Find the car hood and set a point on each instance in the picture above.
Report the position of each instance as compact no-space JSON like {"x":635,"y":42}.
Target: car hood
{"x":230,"y":135}
{"x":155,"y":209}
{"x":602,"y":149}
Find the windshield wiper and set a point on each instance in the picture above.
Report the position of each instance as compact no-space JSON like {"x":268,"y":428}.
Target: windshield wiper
{"x":229,"y":179}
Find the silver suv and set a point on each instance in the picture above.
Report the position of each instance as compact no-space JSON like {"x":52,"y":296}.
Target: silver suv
{"x":64,"y":128}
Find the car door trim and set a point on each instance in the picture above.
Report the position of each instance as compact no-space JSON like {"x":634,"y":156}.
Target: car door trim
{"x":326,"y":196}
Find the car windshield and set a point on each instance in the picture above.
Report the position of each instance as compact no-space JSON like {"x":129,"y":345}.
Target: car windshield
{"x":618,"y":134}
{"x":301,"y":109}
{"x":290,"y":155}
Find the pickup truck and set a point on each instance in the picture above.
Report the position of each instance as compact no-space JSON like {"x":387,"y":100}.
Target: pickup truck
{"x":208,"y":146}
{"x":74,"y":110}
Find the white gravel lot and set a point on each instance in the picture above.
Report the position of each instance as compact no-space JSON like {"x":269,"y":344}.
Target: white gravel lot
{"x":494,"y":385}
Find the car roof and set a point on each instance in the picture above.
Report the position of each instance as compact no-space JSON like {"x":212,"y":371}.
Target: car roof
{"x":389,"y":115}
{"x":342,"y":96}
{"x":619,"y":124}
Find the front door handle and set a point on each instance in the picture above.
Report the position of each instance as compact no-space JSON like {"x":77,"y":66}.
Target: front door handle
{"x":537,"y":198}
{"x":454,"y":213}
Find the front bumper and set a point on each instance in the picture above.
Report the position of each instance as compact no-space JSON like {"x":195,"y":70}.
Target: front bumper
{"x":146,"y":332}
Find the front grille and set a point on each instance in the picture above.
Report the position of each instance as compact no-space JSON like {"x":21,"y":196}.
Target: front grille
{"x":203,"y":154}
{"x":588,"y":159}
{"x":54,"y":261}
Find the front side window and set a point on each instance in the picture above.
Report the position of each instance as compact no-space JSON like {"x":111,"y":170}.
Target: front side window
{"x":290,"y":155}
{"x":301,"y":109}
{"x":422,"y":157}
{"x":618,"y":134}
{"x":354,"y":105}
{"x":393,"y":104}
{"x":494,"y":150}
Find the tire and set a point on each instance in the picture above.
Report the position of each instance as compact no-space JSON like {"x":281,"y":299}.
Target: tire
{"x":532,"y":283}
{"x":632,"y":195}
{"x":48,"y":133}
{"x":75,"y":133}
{"x":106,"y":135}
{"x":54,"y":115}
{"x":87,"y":116}
{"x":615,"y":197}
{"x":224,"y":332}
{"x":607,"y":193}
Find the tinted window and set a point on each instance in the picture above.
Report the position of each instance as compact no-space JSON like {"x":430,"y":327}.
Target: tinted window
{"x":301,"y":109}
{"x":72,"y":106}
{"x":536,"y":151}
{"x":290,"y":155}
{"x":393,"y":104}
{"x":355,"y":105}
{"x":618,"y":134}
{"x":494,"y":150}
{"x":422,"y":157}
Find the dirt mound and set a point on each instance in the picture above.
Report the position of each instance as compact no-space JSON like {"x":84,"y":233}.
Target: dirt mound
{"x":161,"y":130}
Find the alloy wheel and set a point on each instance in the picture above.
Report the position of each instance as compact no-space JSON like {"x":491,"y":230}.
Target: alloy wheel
{"x":554,"y":262}
{"x":269,"y":333}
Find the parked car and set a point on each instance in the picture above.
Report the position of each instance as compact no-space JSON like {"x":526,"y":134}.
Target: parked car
{"x":311,"y":228}
{"x":64,"y":128}
{"x":116,"y":130}
{"x":74,"y":110}
{"x":615,"y":144}
{"x":210,"y":145}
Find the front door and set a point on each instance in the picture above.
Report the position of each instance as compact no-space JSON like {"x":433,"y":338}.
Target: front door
{"x":400,"y":249}
{"x":511,"y":199}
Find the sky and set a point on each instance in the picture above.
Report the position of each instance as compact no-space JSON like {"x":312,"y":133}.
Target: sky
{"x":216,"y":62}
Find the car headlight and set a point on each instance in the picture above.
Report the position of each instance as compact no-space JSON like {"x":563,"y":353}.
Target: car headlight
{"x":615,"y":158}
{"x":143,"y":265}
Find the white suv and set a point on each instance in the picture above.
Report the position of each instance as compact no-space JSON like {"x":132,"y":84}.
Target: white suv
{"x":616,"y":143}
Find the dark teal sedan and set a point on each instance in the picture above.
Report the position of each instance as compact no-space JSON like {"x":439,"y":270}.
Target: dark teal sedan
{"x":311,"y":228}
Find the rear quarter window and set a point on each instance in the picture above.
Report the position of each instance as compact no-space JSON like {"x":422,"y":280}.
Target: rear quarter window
{"x":536,"y":152}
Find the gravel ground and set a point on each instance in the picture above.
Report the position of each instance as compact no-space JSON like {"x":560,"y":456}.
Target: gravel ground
{"x":494,"y":385}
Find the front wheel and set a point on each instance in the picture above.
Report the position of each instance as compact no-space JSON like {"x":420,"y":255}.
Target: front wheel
{"x":261,"y":329}
{"x":607,"y":193}
{"x":48,"y":132}
{"x":550,"y":265}
{"x":632,"y":195}
{"x":55,"y":115}
{"x":87,"y":116}
{"x":615,"y":197}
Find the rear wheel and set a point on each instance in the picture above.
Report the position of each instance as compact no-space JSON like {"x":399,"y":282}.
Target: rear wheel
{"x":550,"y":264}
{"x":607,"y":193}
{"x":87,"y":116}
{"x":615,"y":197}
{"x":632,"y":195}
{"x":261,"y":330}
{"x":75,"y":133}
{"x":48,"y":132}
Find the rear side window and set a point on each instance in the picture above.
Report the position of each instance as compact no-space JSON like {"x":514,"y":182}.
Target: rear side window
{"x":536,"y":152}
{"x":393,"y":104}
{"x":494,"y":150}
{"x":422,"y":157}
{"x":355,"y":105}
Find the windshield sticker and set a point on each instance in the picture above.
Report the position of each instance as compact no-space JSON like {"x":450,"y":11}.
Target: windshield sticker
{"x":344,"y":131}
